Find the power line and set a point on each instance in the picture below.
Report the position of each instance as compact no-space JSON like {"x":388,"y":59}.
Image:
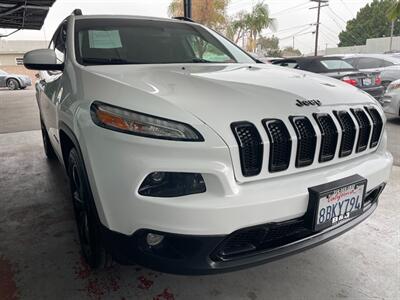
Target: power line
{"x":290,"y":8}
{"x":339,"y":17}
{"x":329,"y":38}
{"x":341,"y":28}
{"x":297,"y":33}
{"x":293,"y":27}
{"x":347,"y":8}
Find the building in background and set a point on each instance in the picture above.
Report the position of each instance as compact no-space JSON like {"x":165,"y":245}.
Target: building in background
{"x":12,"y":53}
{"x":375,"y":45}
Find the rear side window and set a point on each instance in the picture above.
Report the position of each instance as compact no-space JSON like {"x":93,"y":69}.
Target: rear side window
{"x":386,"y":63}
{"x":369,"y":63}
{"x":337,"y":64}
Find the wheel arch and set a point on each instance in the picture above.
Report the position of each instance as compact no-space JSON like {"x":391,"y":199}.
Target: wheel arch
{"x":68,"y":140}
{"x":15,"y":78}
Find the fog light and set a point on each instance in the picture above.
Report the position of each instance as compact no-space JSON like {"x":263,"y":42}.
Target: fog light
{"x":172,"y":184}
{"x":157,"y":176}
{"x":154,"y":239}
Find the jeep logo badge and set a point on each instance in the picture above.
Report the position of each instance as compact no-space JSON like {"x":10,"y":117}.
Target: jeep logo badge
{"x":302,"y":103}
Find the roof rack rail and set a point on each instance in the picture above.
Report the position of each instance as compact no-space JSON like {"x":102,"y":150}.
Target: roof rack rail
{"x":77,"y":12}
{"x":184,"y":19}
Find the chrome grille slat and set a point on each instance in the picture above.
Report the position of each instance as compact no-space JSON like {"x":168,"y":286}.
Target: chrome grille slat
{"x":364,"y":129}
{"x":250,"y":147}
{"x":280,"y":144}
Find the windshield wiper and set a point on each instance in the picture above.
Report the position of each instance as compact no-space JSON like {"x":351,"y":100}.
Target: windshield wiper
{"x":104,"y":61}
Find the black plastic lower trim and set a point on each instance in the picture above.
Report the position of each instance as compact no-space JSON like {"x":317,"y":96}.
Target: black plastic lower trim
{"x":192,"y":255}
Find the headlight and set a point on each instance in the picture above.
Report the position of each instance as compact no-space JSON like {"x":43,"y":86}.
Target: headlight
{"x":128,"y":121}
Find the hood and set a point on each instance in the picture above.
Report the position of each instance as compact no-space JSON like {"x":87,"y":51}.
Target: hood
{"x":219,"y":95}
{"x":228,"y":93}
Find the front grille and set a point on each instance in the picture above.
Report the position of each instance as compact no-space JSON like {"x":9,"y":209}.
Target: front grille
{"x":377,"y":124}
{"x":280,"y":138}
{"x":364,"y":129}
{"x":348,"y":132}
{"x":250,"y":147}
{"x":329,"y":136}
{"x":306,"y":140}
{"x":280,"y":144}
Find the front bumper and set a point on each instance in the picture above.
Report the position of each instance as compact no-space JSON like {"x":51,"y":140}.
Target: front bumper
{"x":118,"y":163}
{"x":197,"y":255}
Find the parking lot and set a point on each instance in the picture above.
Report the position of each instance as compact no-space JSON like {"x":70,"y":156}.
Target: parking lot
{"x":39,"y":251}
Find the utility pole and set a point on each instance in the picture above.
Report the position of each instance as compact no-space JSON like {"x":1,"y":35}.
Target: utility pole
{"x":391,"y":36}
{"x":187,"y":8}
{"x":317,"y":24}
{"x":293,"y":43}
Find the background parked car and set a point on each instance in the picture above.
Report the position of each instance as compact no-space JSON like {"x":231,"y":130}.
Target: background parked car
{"x":14,"y":81}
{"x":387,"y":64}
{"x":335,"y":67}
{"x":391,"y":99}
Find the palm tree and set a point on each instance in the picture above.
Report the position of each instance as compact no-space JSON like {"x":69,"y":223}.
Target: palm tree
{"x":394,"y":11}
{"x":256,"y":21}
{"x":393,"y":14}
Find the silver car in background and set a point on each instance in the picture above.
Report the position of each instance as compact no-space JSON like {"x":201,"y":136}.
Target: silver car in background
{"x":14,"y":81}
{"x":391,"y":99}
{"x":388,"y":65}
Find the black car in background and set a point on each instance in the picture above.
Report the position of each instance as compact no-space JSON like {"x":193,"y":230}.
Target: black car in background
{"x":336,"y":67}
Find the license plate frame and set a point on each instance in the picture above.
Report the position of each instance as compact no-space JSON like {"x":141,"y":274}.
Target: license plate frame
{"x":316,"y":193}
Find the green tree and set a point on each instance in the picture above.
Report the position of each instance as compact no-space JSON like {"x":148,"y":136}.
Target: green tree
{"x":290,"y":52}
{"x":371,"y":22}
{"x":211,"y":13}
{"x":394,"y":11}
{"x":256,"y":21}
{"x":269,"y":46}
{"x":236,"y":27}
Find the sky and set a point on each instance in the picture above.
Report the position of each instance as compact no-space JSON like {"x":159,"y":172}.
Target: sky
{"x":293,"y":17}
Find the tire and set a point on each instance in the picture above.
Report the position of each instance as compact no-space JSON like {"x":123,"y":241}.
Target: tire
{"x":48,"y":147}
{"x":87,"y":221}
{"x":12,"y":84}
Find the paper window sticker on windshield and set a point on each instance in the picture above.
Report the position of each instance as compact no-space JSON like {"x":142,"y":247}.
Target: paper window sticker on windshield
{"x":104,"y":39}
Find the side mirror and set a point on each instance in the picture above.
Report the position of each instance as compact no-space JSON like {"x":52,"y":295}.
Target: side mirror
{"x":42,"y":59}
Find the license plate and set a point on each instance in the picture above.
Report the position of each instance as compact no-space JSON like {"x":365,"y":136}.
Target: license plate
{"x":336,"y":202}
{"x":367,"y":81}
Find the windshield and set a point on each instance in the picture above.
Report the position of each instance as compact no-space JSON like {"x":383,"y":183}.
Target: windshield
{"x":336,"y":64}
{"x":136,"y":41}
{"x":2,"y":72}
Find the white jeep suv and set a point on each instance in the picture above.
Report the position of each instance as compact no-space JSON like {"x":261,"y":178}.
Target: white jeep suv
{"x":187,"y":156}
